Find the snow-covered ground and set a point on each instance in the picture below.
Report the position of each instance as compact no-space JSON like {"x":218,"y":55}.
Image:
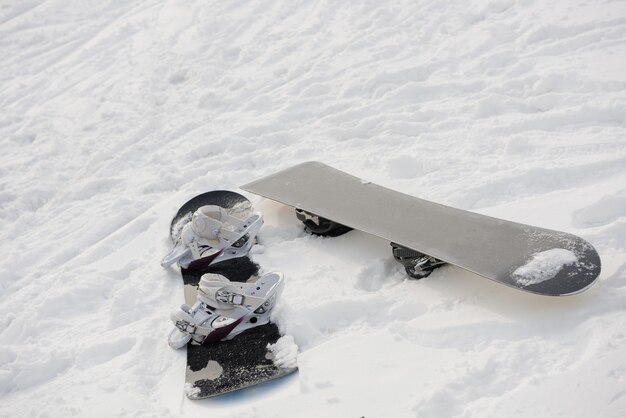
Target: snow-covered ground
{"x":113,"y":113}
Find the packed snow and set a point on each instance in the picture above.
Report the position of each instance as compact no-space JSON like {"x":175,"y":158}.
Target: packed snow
{"x":543,"y":266}
{"x":285,"y":352}
{"x":115,"y":113}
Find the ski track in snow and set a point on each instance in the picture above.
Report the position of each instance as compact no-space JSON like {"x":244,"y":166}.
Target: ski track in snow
{"x":115,"y":113}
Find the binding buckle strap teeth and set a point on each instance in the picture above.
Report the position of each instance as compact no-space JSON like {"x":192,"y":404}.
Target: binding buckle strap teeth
{"x":228,"y":297}
{"x":185,"y":327}
{"x":231,"y":298}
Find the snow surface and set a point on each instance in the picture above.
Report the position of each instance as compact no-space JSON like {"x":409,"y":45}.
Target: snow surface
{"x":115,"y":113}
{"x":543,"y":266}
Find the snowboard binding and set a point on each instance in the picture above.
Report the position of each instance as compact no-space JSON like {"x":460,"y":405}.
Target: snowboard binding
{"x":210,"y":235}
{"x":417,"y":265}
{"x":317,"y":225}
{"x":224,"y":309}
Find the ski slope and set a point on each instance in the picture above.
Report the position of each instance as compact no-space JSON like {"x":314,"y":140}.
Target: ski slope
{"x":115,"y":113}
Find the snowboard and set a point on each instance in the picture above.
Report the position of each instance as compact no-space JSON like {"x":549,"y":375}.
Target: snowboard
{"x":529,"y":258}
{"x":221,"y":367}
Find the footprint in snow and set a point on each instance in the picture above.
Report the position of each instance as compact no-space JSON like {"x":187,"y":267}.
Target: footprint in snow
{"x":603,"y":212}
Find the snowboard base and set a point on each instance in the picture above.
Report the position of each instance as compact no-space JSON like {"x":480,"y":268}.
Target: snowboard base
{"x":214,"y":369}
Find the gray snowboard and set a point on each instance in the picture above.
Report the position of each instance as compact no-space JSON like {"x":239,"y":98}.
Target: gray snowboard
{"x":529,"y":258}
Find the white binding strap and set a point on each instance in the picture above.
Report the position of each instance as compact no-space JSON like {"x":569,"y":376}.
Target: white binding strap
{"x":206,"y":221}
{"x":216,"y":290}
{"x":214,"y":223}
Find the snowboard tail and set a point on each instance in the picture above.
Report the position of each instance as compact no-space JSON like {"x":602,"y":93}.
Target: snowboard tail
{"x":525,"y":257}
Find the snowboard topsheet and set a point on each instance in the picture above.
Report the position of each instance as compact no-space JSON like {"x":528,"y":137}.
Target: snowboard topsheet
{"x":529,"y":258}
{"x":224,"y":366}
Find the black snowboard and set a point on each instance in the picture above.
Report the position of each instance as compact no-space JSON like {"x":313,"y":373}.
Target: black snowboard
{"x":225,"y":366}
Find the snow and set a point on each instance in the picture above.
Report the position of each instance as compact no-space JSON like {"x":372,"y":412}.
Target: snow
{"x":285,"y":352}
{"x":543,"y":266}
{"x":191,"y":390}
{"x":115,"y":113}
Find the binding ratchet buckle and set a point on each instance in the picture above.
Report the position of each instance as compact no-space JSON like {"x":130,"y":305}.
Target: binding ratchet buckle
{"x":229,"y":297}
{"x":185,"y":327}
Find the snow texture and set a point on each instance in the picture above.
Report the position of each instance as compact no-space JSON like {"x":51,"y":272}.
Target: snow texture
{"x":114,"y":113}
{"x":285,"y":352}
{"x":543,"y":266}
{"x":191,"y":390}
